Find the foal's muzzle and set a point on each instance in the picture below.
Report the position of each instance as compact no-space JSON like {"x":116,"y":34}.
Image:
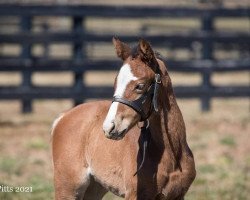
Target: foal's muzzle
{"x":114,"y":134}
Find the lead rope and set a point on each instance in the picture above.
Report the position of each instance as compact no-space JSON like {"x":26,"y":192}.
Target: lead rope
{"x":145,"y":133}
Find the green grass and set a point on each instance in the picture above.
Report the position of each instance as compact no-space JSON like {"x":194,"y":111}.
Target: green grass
{"x":111,"y":196}
{"x":42,"y":189}
{"x":207,"y":169}
{"x":39,"y":162}
{"x":219,"y":189}
{"x":228,"y":141}
{"x":38,"y":143}
{"x":9,"y":165}
{"x":9,"y":196}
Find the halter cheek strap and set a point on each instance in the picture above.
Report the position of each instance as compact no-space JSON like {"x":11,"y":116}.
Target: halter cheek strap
{"x":138,"y":104}
{"x":144,"y":142}
{"x":155,"y":97}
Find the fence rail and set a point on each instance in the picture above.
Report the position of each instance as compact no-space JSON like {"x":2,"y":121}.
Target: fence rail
{"x":42,"y":65}
{"x":118,"y":11}
{"x":179,"y":39}
{"x":79,"y":63}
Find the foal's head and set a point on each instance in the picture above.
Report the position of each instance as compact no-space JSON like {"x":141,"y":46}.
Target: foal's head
{"x":133,"y":82}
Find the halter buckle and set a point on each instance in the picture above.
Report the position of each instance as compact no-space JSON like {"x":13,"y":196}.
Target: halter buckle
{"x":147,"y":124}
{"x":158,"y":78}
{"x":144,"y":125}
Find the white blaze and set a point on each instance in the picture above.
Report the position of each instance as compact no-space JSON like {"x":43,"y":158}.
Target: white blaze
{"x":124,"y":77}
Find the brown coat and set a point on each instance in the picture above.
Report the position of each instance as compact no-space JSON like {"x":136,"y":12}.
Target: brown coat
{"x":87,"y":164}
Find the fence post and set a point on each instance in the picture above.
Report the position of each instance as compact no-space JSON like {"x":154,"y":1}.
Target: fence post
{"x":45,"y":29}
{"x":207,"y":54}
{"x":25,"y":25}
{"x":78,"y":58}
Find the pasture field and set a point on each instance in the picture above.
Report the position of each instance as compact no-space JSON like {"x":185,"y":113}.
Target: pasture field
{"x":219,"y":140}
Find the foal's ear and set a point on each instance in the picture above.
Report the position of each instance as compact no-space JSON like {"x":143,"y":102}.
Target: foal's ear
{"x":146,"y":53}
{"x":123,"y":51}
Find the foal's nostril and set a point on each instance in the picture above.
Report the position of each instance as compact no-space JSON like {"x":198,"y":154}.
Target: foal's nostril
{"x":108,"y":128}
{"x":112,"y":127}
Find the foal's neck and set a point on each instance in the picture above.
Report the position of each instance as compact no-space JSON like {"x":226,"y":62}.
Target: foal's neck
{"x":167,"y":124}
{"x":159,"y":122}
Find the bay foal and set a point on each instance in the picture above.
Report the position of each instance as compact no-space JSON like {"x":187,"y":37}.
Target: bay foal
{"x":97,"y":147}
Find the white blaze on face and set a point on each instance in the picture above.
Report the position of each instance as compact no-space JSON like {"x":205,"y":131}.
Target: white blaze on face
{"x":124,"y":77}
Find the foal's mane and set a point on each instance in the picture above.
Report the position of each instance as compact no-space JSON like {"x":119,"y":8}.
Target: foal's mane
{"x":159,"y":56}
{"x":134,"y":54}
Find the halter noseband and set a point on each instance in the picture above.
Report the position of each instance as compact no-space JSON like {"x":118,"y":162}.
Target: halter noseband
{"x":138,"y":104}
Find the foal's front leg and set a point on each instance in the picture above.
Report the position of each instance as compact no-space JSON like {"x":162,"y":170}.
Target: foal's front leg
{"x":70,"y":185}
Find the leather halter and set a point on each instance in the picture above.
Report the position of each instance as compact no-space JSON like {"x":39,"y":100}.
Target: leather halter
{"x":138,"y":106}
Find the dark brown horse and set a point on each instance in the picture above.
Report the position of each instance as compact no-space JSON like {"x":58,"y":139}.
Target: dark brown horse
{"x":88,"y":163}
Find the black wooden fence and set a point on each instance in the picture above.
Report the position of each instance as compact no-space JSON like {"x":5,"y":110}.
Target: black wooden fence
{"x":207,"y":36}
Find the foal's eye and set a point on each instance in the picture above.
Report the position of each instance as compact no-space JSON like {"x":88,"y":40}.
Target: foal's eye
{"x":139,"y":87}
